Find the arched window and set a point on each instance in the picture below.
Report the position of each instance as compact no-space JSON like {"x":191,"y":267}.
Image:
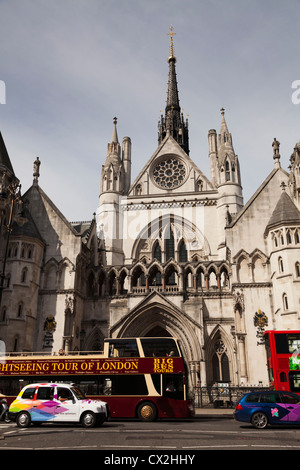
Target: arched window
{"x":170,"y":252}
{"x":24,"y":275}
{"x":285,"y":302}
{"x":20,"y":310}
{"x":280,"y":265}
{"x":282,"y":377}
{"x":3,"y":314}
{"x":157,"y":252}
{"x":297,"y":266}
{"x":182,"y":253}
{"x":220,"y":363}
{"x":91,"y":285}
{"x":16,"y":344}
{"x":227,"y":171}
{"x":138,"y":190}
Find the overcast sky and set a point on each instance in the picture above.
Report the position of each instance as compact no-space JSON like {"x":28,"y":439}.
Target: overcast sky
{"x":70,"y":66}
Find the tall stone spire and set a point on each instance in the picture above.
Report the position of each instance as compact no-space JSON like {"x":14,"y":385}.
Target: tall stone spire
{"x":173,"y":122}
{"x":113,"y":149}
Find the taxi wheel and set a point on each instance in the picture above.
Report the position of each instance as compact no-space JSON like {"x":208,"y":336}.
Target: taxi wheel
{"x":88,"y":419}
{"x":259,"y":420}
{"x":23,"y":420}
{"x":147,"y":412}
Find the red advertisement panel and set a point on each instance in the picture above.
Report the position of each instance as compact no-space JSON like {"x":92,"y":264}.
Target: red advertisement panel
{"x":90,"y":366}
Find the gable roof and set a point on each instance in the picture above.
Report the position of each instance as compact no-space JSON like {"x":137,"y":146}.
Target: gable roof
{"x":43,"y":196}
{"x":163,"y":148}
{"x":251,"y":201}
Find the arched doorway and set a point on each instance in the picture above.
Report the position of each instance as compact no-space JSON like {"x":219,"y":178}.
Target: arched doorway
{"x":158,"y":317}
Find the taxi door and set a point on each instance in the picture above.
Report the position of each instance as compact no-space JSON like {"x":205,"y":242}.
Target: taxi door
{"x":66,"y":406}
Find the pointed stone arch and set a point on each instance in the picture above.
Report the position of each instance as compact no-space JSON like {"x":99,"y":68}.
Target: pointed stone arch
{"x":158,"y":313}
{"x":182,"y":229}
{"x":94,"y":341}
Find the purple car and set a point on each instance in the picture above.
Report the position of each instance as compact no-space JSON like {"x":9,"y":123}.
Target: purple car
{"x":269,"y":407}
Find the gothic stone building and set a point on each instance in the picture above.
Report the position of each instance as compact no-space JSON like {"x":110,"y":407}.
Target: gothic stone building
{"x":172,"y":253}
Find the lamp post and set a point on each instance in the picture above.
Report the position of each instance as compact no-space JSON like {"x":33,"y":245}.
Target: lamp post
{"x":13,"y":192}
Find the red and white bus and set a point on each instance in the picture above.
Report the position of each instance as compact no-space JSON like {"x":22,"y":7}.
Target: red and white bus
{"x":141,"y":378}
{"x":283,"y":359}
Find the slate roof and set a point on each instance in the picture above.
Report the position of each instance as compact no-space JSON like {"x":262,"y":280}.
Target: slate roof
{"x":285,"y":212}
{"x":28,"y":228}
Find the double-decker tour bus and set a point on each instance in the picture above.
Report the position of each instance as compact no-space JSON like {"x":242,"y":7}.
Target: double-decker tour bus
{"x":283,"y":359}
{"x":138,"y":377}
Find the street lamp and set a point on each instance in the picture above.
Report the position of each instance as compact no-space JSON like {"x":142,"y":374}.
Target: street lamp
{"x":11,"y":192}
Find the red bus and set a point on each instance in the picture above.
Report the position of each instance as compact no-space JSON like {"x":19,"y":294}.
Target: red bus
{"x":283,"y":359}
{"x":141,"y":378}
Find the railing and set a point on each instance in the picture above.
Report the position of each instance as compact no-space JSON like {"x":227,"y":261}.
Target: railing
{"x":220,"y":397}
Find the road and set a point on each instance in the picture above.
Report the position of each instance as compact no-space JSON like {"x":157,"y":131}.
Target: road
{"x":162,"y":437}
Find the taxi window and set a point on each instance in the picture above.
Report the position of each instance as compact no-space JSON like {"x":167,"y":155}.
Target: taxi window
{"x":45,"y":393}
{"x":29,"y":393}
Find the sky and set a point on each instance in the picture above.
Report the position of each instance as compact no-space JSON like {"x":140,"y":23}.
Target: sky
{"x":68,"y":67}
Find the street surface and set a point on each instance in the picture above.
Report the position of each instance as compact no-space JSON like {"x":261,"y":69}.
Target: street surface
{"x":186,"y":438}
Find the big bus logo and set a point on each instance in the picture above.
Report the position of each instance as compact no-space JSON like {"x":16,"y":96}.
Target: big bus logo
{"x":163,"y":365}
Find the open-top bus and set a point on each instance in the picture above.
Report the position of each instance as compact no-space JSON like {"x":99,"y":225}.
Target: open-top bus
{"x":283,"y":359}
{"x":137,"y":377}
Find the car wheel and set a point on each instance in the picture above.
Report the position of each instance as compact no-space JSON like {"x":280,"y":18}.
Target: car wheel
{"x":147,"y":412}
{"x":259,"y":420}
{"x":23,"y":420}
{"x":88,"y":419}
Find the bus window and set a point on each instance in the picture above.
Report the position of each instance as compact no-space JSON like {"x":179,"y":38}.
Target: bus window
{"x":123,"y":348}
{"x":293,"y":343}
{"x":159,"y":347}
{"x":122,"y":385}
{"x":156,"y":382}
{"x":294,"y":379}
{"x":287,"y":343}
{"x":89,"y":387}
{"x":173,"y":386}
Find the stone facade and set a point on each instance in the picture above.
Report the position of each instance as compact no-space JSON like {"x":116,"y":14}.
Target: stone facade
{"x":173,"y":253}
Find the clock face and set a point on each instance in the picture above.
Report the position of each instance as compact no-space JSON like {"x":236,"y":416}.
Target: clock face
{"x":169,"y":173}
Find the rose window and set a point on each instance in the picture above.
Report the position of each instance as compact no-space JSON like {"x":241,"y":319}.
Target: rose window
{"x":169,"y":173}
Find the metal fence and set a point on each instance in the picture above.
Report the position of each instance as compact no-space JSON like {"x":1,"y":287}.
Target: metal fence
{"x":220,"y":396}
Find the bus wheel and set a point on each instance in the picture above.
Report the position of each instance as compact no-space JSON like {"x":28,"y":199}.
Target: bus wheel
{"x":259,"y":420}
{"x":88,"y":419}
{"x":147,"y":412}
{"x":23,"y":419}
